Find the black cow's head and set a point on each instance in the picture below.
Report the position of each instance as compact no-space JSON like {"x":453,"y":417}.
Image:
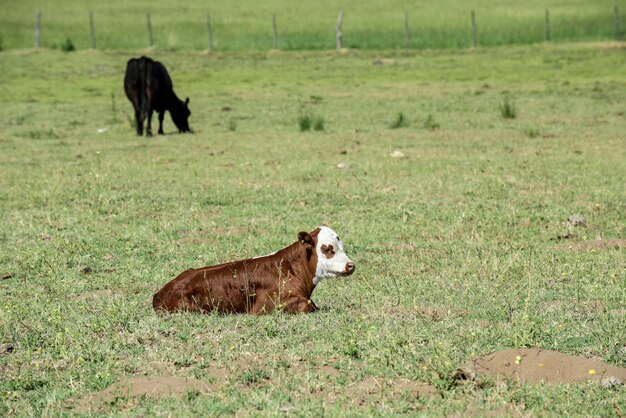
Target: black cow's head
{"x":180,"y":115}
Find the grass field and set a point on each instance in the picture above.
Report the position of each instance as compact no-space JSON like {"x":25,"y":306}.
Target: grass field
{"x":457,"y":220}
{"x":305,"y":25}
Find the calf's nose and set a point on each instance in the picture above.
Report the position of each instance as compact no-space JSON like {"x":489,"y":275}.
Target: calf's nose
{"x":350,"y":266}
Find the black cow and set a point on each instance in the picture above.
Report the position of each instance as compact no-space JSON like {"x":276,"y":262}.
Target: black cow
{"x":149,"y":87}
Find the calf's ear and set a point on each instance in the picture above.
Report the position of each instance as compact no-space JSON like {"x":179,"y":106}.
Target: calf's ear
{"x":187,"y":101}
{"x":305,"y":239}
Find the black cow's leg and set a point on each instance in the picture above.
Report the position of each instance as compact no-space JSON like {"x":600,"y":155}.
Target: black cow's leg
{"x":161,"y":114}
{"x":149,"y":127}
{"x":139,"y":121}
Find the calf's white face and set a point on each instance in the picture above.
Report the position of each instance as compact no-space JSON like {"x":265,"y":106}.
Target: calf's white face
{"x":332,"y":261}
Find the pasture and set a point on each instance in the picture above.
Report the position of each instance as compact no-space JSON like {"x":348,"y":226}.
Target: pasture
{"x":456,"y":216}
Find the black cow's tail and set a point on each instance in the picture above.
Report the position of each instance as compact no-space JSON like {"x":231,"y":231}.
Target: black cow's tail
{"x":143,"y":80}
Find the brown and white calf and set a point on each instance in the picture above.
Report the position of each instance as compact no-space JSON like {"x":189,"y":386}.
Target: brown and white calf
{"x":281,"y":280}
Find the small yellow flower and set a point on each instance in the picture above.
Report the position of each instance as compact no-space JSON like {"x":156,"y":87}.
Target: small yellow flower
{"x":540,"y":365}
{"x":592,"y":371}
{"x":518,"y":359}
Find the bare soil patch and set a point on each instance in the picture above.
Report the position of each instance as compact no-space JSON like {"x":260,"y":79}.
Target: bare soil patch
{"x":150,"y":386}
{"x":597,"y":244}
{"x":535,"y":366}
{"x":328,"y":371}
{"x":373,"y":389}
{"x":500,"y":412}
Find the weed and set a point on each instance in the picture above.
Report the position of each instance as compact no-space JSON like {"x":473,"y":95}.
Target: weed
{"x":430,"y":123}
{"x":255,"y":375}
{"x":232,"y":125}
{"x":43,"y":134}
{"x":305,"y":121}
{"x":352,"y":349}
{"x":113,"y":110}
{"x":532,"y":133}
{"x":507,"y":109}
{"x":399,"y":122}
{"x":67,"y":46}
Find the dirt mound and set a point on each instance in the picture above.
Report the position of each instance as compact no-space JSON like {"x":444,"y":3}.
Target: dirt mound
{"x":536,"y":366}
{"x":595,"y":244}
{"x":372,"y":389}
{"x":150,"y":386}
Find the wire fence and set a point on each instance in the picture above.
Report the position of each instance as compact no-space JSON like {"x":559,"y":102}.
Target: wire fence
{"x":404,"y":36}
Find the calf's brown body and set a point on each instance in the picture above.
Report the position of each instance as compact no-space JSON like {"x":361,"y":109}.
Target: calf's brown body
{"x":283,"y":280}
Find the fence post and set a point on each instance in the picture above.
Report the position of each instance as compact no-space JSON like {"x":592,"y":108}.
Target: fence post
{"x":150,"y":39}
{"x":92,"y":30}
{"x":275,"y":30}
{"x":209,"y":32}
{"x":547,"y":25}
{"x":339,"y":33}
{"x":37,"y":29}
{"x":618,"y":25}
{"x":474,"y":35}
{"x":406,"y":30}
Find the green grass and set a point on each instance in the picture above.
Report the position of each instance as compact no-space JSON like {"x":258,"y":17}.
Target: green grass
{"x":304,"y":25}
{"x":507,"y":109}
{"x":472,"y":217}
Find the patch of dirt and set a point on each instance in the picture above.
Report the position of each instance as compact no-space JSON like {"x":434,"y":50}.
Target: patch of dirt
{"x":151,"y":386}
{"x":5,"y":276}
{"x":329,"y":371}
{"x":594,"y":244}
{"x":371,"y":389}
{"x":507,"y":411}
{"x":96,"y":294}
{"x":414,"y":388}
{"x":535,"y":366}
